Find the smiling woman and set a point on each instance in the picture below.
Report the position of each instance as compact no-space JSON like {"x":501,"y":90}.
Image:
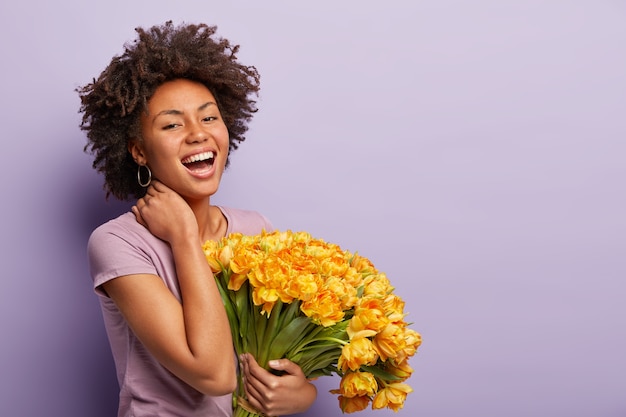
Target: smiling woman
{"x":113,"y":106}
{"x":161,"y":121}
{"x":184,"y":138}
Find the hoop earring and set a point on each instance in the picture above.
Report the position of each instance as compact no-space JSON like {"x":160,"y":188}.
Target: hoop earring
{"x":144,"y":184}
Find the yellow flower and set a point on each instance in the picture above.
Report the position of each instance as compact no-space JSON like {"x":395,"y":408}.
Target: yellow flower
{"x":270,"y":273}
{"x":214,"y":264}
{"x":391,"y":396}
{"x":302,"y":286}
{"x":334,"y":265}
{"x":328,"y":310}
{"x":362,"y":264}
{"x":377,"y":286}
{"x":401,"y":370}
{"x":357,"y":353}
{"x":320,"y":249}
{"x":324,"y":308}
{"x":266,"y":297}
{"x":412,"y":340}
{"x":390,"y":341}
{"x":225,"y":254}
{"x":394,"y":308}
{"x":353,"y":277}
{"x":297,"y":260}
{"x":360,"y":384}
{"x":346,"y":293}
{"x":369,"y":315}
{"x":244,"y":259}
{"x":354,"y":404}
{"x":210,"y":249}
{"x":236,"y":281}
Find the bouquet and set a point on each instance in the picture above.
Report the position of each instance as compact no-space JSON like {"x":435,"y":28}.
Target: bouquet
{"x":288,"y":295}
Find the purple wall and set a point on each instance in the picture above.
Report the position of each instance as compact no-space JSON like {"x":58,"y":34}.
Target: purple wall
{"x":473,"y":150}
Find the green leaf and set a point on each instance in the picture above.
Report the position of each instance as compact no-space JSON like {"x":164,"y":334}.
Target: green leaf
{"x":380,"y":373}
{"x":323,"y":372}
{"x":291,"y":335}
{"x":241,"y":303}
{"x":288,"y":313}
{"x":324,"y":357}
{"x":256,"y":331}
{"x":271,"y":329}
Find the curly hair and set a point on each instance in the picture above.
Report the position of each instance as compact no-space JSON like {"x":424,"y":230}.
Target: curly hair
{"x":112,"y":104}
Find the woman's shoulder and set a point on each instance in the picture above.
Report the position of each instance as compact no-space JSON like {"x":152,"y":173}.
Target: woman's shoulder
{"x":248,"y":222}
{"x":124,"y":227}
{"x":124,"y":223}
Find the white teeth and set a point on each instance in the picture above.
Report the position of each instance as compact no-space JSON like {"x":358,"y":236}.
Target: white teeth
{"x":199,"y":157}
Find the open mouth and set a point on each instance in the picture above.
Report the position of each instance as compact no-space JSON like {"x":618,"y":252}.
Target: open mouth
{"x":199,"y":162}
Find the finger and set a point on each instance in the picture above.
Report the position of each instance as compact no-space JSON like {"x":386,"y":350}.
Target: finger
{"x":135,"y":211}
{"x":255,"y":370}
{"x":151,"y":191}
{"x":243,"y":362}
{"x":255,"y":379}
{"x":254,"y":396}
{"x":286,"y":366}
{"x":138,"y":216}
{"x":252,"y":387}
{"x":159,"y":186}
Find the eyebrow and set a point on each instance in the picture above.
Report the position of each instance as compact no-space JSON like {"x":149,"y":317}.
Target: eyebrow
{"x":178,"y":112}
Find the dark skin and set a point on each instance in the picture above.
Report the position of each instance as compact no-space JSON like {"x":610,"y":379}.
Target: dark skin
{"x":267,"y":392}
{"x":183,"y":121}
{"x":113,"y":104}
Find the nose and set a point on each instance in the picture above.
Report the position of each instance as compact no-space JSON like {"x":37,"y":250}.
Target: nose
{"x":196,"y":133}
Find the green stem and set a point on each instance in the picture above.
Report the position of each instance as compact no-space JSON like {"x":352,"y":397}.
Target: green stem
{"x":301,"y":346}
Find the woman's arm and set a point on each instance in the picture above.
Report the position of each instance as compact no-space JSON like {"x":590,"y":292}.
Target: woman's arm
{"x":273,"y":395}
{"x":192,"y":339}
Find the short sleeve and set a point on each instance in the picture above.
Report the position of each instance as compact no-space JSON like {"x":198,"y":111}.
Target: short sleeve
{"x":247,"y":222}
{"x":113,"y":255}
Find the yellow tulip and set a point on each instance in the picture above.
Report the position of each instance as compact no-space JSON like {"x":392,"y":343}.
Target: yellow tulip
{"x":353,"y":277}
{"x":328,"y":284}
{"x":413,"y":340}
{"x":210,"y":249}
{"x":266,"y":297}
{"x":359,"y":384}
{"x":334,"y":265}
{"x":357,"y":353}
{"x":225,"y":255}
{"x":346,"y":293}
{"x":354,"y":404}
{"x":214,"y":263}
{"x":324,"y":308}
{"x":369,"y":314}
{"x":389,"y":341}
{"x":302,"y":286}
{"x":236,"y":281}
{"x":401,"y":369}
{"x":243,"y":260}
{"x":391,"y":396}
{"x":377,"y":286}
{"x":363,"y":264}
{"x":320,"y":249}
{"x":394,"y":308}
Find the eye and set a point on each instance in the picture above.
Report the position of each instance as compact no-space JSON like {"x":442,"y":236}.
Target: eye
{"x":170,"y":126}
{"x":209,"y":118}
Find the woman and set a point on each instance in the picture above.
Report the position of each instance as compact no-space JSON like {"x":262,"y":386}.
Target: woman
{"x":161,"y":120}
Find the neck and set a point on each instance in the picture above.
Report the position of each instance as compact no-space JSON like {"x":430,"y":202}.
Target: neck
{"x":211,"y":221}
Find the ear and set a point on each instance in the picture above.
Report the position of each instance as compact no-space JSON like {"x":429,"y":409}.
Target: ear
{"x":135,"y":147}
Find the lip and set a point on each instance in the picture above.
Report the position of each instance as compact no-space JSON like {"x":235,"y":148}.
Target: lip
{"x":203,"y":173}
{"x":198,"y":152}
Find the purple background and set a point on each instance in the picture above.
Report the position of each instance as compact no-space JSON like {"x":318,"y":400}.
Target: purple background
{"x":475,"y":151}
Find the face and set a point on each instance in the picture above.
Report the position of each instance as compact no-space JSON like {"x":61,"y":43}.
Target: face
{"x":184,"y":139}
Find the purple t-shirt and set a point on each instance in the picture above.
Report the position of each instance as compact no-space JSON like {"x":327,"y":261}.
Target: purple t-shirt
{"x":123,"y":247}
